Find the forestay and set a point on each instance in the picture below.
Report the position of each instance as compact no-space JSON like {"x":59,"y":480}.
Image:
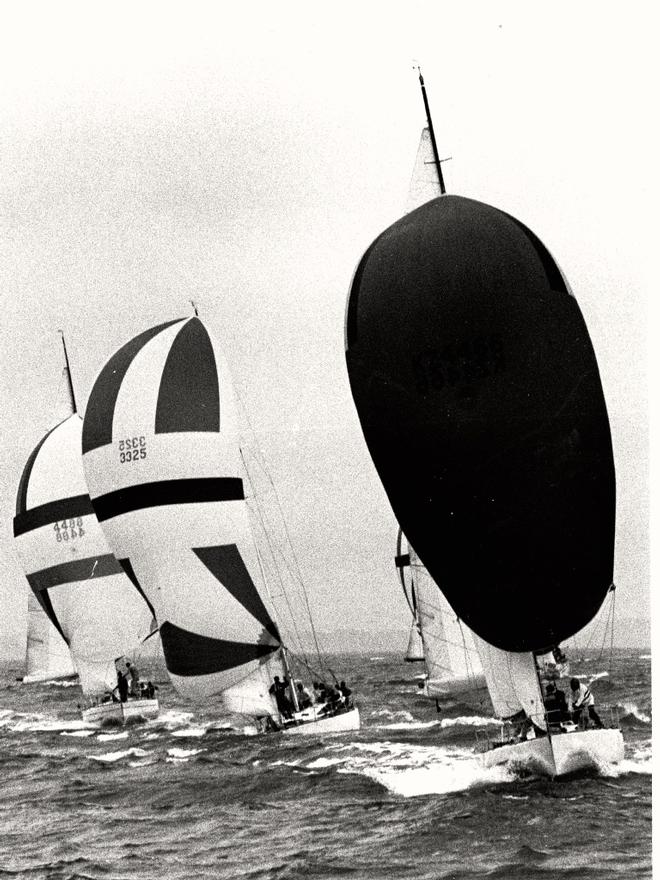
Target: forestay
{"x":68,"y":564}
{"x":161,"y":455}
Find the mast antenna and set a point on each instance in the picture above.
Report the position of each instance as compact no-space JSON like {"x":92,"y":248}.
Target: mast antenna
{"x":68,"y":373}
{"x":436,"y":155}
{"x":192,"y":303}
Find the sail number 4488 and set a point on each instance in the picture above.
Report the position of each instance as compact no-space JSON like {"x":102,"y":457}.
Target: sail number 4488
{"x":132,"y":449}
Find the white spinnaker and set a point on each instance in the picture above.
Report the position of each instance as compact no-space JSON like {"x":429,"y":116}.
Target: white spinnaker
{"x":47,"y":656}
{"x":194,"y":559}
{"x":68,"y":563}
{"x":512,"y":681}
{"x":452,"y":661}
{"x":424,"y":183}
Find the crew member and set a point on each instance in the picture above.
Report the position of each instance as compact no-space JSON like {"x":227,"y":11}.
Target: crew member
{"x":134,"y":675}
{"x":346,"y":693}
{"x":555,"y":704}
{"x":278,"y":689}
{"x":581,"y":699}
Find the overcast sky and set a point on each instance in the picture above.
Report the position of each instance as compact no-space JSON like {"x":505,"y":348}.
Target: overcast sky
{"x":245,"y":155}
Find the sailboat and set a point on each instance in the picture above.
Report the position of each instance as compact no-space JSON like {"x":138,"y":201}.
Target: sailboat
{"x":163,"y":464}
{"x":479,"y":397}
{"x":47,"y":656}
{"x":452,"y":661}
{"x":75,"y":578}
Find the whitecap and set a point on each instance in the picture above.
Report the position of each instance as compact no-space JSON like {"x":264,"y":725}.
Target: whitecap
{"x":189,"y":731}
{"x":39,"y":724}
{"x":469,"y":721}
{"x":104,"y":737}
{"x":80,"y":733}
{"x":644,"y":656}
{"x":60,"y":684}
{"x":389,"y":713}
{"x":184,"y":753}
{"x":597,"y":675}
{"x":408,"y":725}
{"x":412,"y":770}
{"x":633,"y":709}
{"x":173,"y":718}
{"x":112,"y":757}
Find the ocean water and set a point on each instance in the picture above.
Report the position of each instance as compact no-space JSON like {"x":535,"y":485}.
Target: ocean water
{"x":193,"y":795}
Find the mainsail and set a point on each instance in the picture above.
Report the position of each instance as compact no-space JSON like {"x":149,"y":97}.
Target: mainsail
{"x":452,"y":660}
{"x":415,"y":649}
{"x":163,"y":465}
{"x":424,"y":183}
{"x":47,"y":656}
{"x":75,"y":578}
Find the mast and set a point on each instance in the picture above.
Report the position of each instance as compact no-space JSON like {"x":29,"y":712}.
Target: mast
{"x":436,"y":155}
{"x":68,"y":373}
{"x":292,"y":685}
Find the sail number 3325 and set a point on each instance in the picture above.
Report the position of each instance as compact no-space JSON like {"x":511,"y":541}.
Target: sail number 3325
{"x":132,"y":449}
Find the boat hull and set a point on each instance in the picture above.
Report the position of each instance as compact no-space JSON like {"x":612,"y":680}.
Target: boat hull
{"x":119,"y":713}
{"x":313,"y":725}
{"x":560,"y":754}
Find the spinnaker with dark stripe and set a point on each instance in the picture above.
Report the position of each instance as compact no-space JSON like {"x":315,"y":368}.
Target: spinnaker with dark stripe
{"x":480,"y":400}
{"x":163,"y":466}
{"x":68,"y":564}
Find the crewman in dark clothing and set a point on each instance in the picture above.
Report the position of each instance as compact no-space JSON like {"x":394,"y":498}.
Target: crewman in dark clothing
{"x":278,"y":689}
{"x":555,"y":704}
{"x":122,"y":686}
{"x":346,"y":693}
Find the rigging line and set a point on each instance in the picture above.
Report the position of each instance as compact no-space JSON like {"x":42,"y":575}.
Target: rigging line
{"x":262,"y":521}
{"x":613,"y":589}
{"x":467,"y":658}
{"x":277,"y":571}
{"x":297,"y":566}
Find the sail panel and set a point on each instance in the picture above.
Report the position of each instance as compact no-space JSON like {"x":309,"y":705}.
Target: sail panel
{"x":415,"y":649}
{"x":480,"y":400}
{"x":47,"y":655}
{"x":188,"y":395}
{"x":451,"y":658}
{"x":513,"y":682}
{"x":177,"y":511}
{"x":78,"y":582}
{"x":251,"y":695}
{"x":100,"y":412}
{"x":191,"y":654}
{"x":226,"y":564}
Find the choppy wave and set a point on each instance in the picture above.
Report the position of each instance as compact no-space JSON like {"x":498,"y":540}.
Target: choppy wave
{"x":113,"y":757}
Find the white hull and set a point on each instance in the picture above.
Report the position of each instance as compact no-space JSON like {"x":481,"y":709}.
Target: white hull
{"x":308,"y":723}
{"x":560,"y":754}
{"x":119,"y":713}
